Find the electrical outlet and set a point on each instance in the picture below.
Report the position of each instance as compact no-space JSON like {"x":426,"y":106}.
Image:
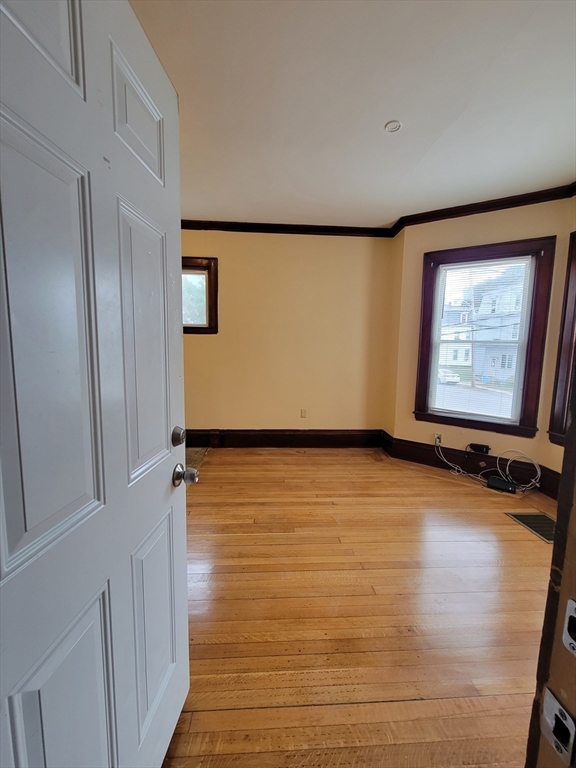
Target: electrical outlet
{"x":302,"y":413}
{"x":437,"y":438}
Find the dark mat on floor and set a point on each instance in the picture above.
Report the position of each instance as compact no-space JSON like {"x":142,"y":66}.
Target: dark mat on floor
{"x":195,"y":456}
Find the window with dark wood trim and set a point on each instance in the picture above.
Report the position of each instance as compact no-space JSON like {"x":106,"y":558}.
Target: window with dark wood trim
{"x":539,"y":254}
{"x":199,"y":295}
{"x":566,"y":360}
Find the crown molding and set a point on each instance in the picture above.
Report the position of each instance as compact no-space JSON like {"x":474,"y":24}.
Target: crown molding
{"x":287,"y":229}
{"x":486,"y":206}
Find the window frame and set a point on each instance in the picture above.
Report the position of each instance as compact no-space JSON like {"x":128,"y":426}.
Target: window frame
{"x":542,"y":249}
{"x":566,"y":357}
{"x":208,"y":265}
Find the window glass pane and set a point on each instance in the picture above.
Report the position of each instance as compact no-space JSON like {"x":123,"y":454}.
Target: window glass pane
{"x":195,"y":298}
{"x":479,"y":338}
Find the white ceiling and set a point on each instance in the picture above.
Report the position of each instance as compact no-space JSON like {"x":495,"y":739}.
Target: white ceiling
{"x":283,"y":103}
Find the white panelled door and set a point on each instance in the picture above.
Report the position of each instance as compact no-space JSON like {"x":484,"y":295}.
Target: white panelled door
{"x":93,"y":555}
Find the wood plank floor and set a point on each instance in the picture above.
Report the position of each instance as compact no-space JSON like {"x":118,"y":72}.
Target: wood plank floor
{"x":351,"y":610}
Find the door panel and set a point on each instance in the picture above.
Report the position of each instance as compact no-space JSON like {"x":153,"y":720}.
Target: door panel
{"x":137,"y":121}
{"x":143,"y":258}
{"x":91,"y":331}
{"x":153,"y":577}
{"x":53,"y":27}
{"x":69,"y":692}
{"x":56,"y":412}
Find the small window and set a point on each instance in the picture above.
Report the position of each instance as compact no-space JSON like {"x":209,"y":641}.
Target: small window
{"x":199,"y":295}
{"x":566,"y":353}
{"x":455,"y":354}
{"x":501,"y":390}
{"x":463,"y":317}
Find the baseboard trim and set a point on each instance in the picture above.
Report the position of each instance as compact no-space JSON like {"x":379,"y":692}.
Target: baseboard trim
{"x":284,"y":438}
{"x":424,"y":453}
{"x":408,"y":450}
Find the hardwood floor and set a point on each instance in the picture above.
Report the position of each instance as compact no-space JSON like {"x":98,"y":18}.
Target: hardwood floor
{"x":351,"y":610}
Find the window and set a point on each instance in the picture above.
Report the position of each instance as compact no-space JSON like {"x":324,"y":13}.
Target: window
{"x":497,"y":286}
{"x":566,"y":353}
{"x":466,"y":355}
{"x":455,"y":354}
{"x":515,"y":330}
{"x":464,"y":317}
{"x":199,"y":295}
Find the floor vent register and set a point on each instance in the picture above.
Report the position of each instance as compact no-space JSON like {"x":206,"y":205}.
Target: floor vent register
{"x":541,"y":525}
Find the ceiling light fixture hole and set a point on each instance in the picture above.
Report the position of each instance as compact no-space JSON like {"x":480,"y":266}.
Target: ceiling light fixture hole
{"x":392,"y":126}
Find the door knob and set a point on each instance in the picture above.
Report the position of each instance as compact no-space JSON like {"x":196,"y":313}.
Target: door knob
{"x":178,"y":436}
{"x":188,"y":475}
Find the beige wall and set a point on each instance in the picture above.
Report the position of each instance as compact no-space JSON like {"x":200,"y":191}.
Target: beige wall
{"x":331,"y":324}
{"x":555,"y":218}
{"x":302,"y":324}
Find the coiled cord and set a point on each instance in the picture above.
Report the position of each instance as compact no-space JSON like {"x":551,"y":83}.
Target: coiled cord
{"x":533,"y":483}
{"x":505,"y":474}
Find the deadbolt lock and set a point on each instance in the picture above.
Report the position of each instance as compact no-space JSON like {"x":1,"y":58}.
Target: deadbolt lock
{"x":178,"y":436}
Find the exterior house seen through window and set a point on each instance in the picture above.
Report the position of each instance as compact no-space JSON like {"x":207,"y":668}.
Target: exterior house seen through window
{"x":483,"y":321}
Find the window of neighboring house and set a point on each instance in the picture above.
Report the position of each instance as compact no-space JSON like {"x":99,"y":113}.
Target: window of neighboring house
{"x":489,"y":283}
{"x":199,"y":295}
{"x":515,"y":330}
{"x":566,"y":353}
{"x":464,"y":317}
{"x":455,"y":354}
{"x":467,"y":355}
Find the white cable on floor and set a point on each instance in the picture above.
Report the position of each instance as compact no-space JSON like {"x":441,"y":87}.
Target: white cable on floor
{"x":533,"y":483}
{"x":455,"y":469}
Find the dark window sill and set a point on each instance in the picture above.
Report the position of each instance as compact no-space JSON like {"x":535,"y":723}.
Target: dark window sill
{"x":556,"y":438}
{"x":200,"y":329}
{"x":485,"y":426}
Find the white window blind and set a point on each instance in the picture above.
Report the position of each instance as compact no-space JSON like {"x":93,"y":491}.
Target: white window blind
{"x":479,"y":338}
